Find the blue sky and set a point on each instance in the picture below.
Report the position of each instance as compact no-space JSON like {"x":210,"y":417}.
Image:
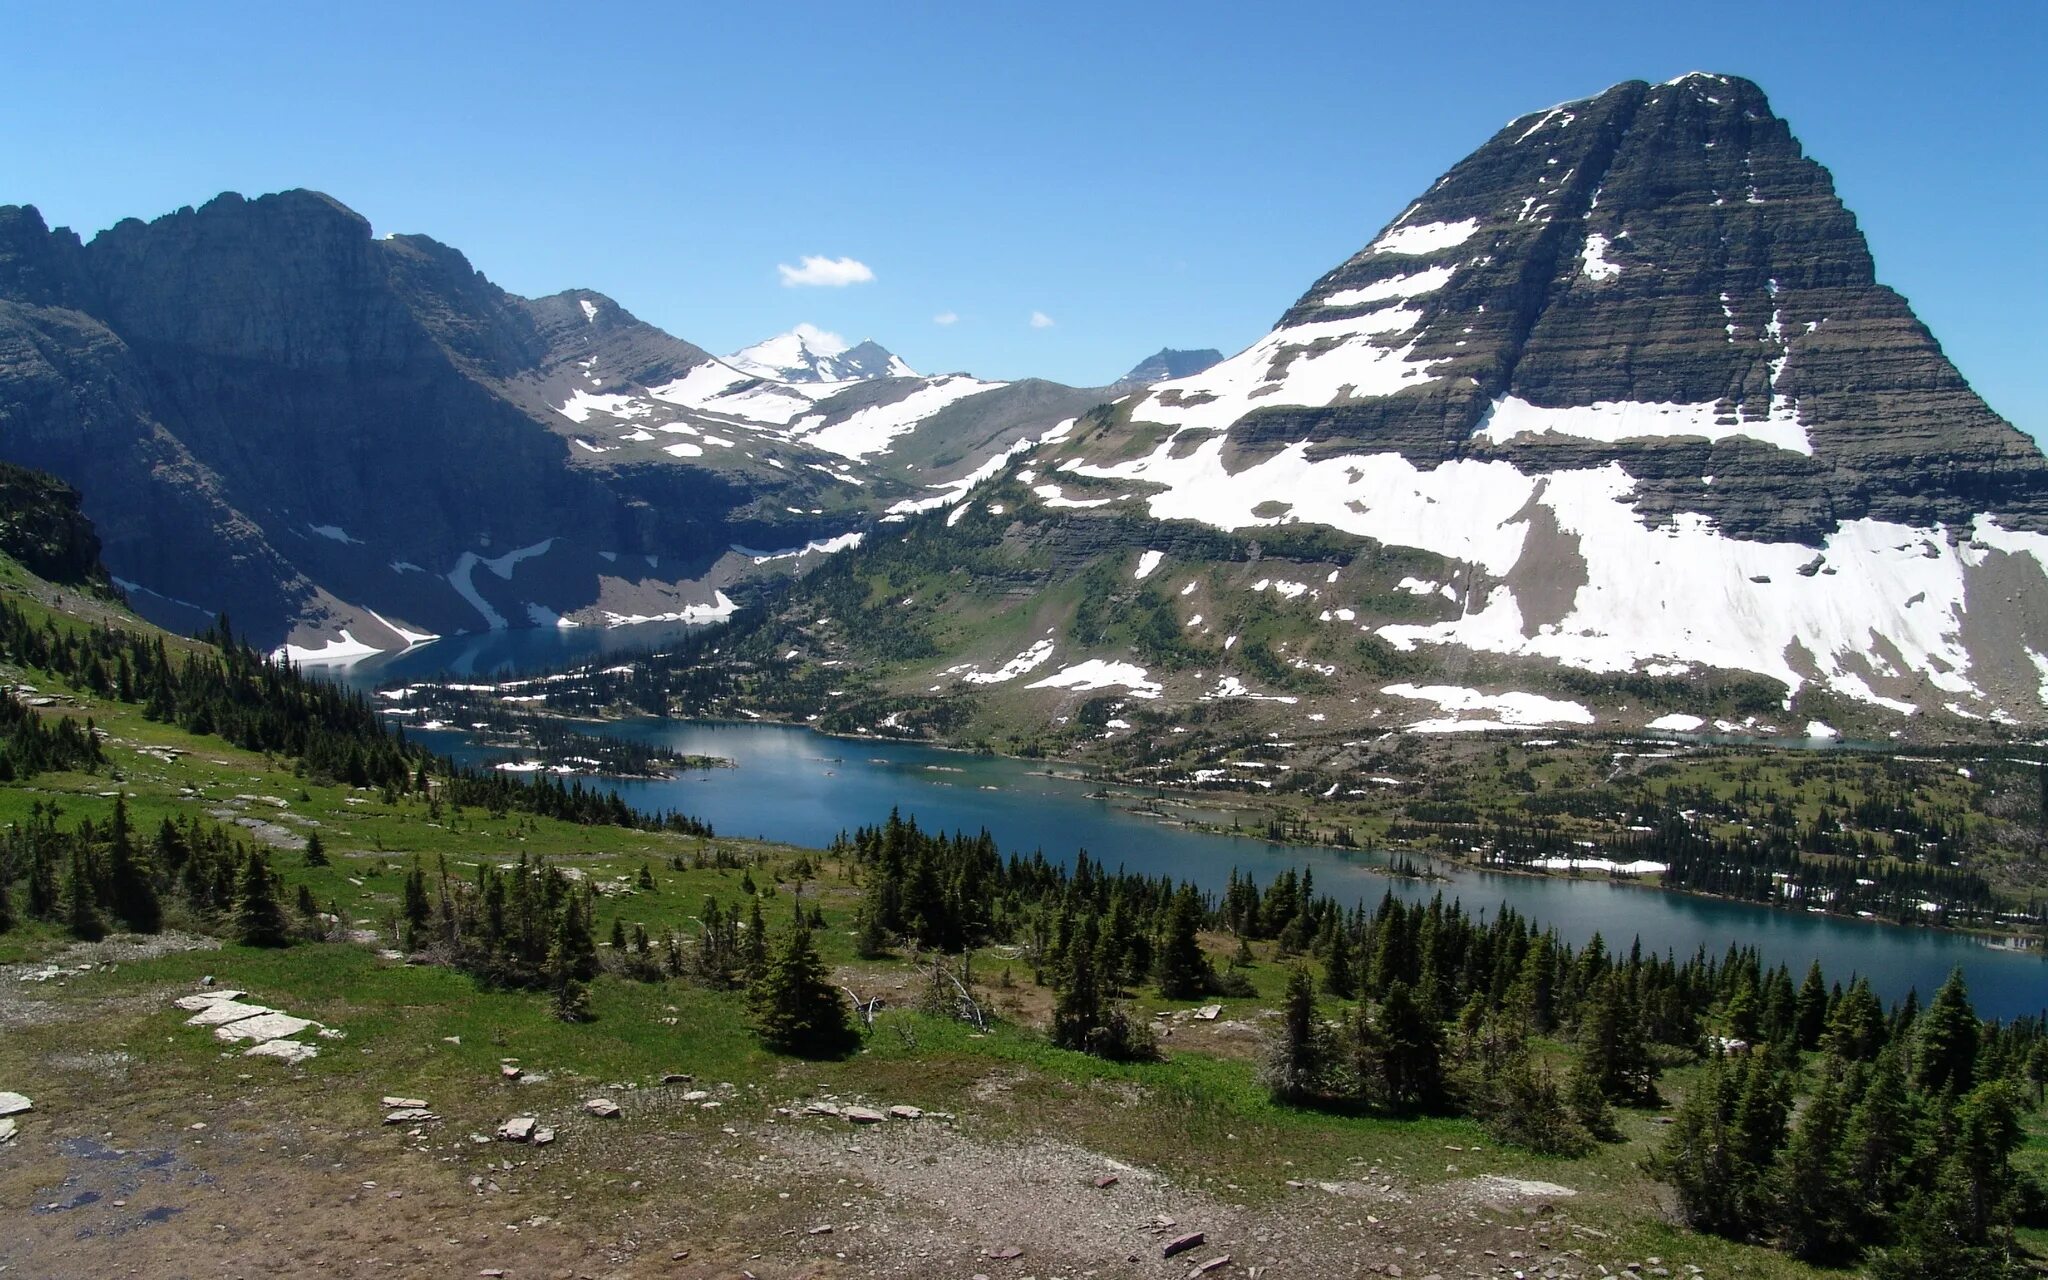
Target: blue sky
{"x":1137,"y":175}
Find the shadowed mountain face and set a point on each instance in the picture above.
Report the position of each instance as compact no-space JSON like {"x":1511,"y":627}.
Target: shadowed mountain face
{"x":1167,"y":363}
{"x":272,"y":413}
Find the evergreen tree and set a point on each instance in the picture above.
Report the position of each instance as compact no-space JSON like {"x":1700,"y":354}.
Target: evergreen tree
{"x":1816,"y":1220}
{"x":1078,"y":1008}
{"x":81,"y":904}
{"x":131,"y":881}
{"x":1810,"y":1019}
{"x":1878,"y":1143}
{"x":754,"y":950}
{"x":1295,"y":1069}
{"x":1612,"y":1045}
{"x":796,"y":1009}
{"x":316,"y":850}
{"x":259,"y":920}
{"x":1407,"y":1072}
{"x":1184,"y":971}
{"x":1699,"y":1157}
{"x":1945,"y":1055}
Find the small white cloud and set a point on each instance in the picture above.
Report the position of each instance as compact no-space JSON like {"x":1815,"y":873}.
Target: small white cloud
{"x":1040,"y":320}
{"x":946,"y":317}
{"x":833,"y":273}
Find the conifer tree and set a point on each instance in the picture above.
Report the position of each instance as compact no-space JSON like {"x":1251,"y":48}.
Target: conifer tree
{"x":131,"y":881}
{"x":754,"y":950}
{"x":796,"y":1009}
{"x":1945,"y":1054}
{"x":1294,"y":1072}
{"x":316,"y":850}
{"x":81,"y":903}
{"x":1815,"y":1215}
{"x":1407,"y":1073}
{"x":1184,"y":971}
{"x":259,"y":920}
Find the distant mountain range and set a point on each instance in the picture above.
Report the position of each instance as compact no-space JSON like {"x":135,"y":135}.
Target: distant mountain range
{"x":1613,"y":424}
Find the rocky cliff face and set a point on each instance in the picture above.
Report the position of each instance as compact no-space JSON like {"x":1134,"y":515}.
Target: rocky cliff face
{"x":1167,"y":363}
{"x":42,"y":529}
{"x":1627,"y":377}
{"x":274,"y":414}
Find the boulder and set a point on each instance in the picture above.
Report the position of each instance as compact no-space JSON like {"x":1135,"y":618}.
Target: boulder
{"x":510,"y":1072}
{"x":518,"y":1128}
{"x":602,"y":1108}
{"x":907,"y":1113}
{"x":286,"y":1051}
{"x":1209,"y":1012}
{"x":13,"y":1104}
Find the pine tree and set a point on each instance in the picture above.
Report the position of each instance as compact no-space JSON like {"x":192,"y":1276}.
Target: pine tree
{"x":1338,"y":976}
{"x":259,"y":920}
{"x":1810,"y":1019}
{"x":1586,"y":1098}
{"x":1077,"y":1010}
{"x":316,"y":850}
{"x":1816,"y":1222}
{"x":131,"y":881}
{"x":81,"y":903}
{"x":1945,"y":1055}
{"x":1879,"y":1142}
{"x":417,"y":905}
{"x":796,"y":1009}
{"x":1699,"y":1156}
{"x":1294,"y":1072}
{"x":1612,"y":1045}
{"x":1184,"y":972}
{"x":754,"y":950}
{"x":1408,"y":1074}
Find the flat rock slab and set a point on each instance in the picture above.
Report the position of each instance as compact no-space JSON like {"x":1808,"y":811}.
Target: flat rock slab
{"x":1181,"y":1244}
{"x":864,"y":1115}
{"x":199,"y":1000}
{"x":409,"y":1115}
{"x":602,"y":1108}
{"x":393,"y":1100}
{"x":907,"y":1113}
{"x":518,"y":1129}
{"x":264,"y":1026}
{"x":221,"y":1012}
{"x":1209,"y":1012}
{"x":543,"y":1136}
{"x":6,"y":1131}
{"x":13,"y":1104}
{"x":1213,"y":1264}
{"x":290,"y":1051}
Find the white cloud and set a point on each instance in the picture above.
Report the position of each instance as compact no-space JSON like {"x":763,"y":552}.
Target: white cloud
{"x":1040,"y":320}
{"x":834,"y":273}
{"x":946,"y":317}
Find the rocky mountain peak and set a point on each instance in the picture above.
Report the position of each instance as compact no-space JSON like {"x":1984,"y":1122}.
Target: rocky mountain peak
{"x":810,"y":354}
{"x":1165,"y":364}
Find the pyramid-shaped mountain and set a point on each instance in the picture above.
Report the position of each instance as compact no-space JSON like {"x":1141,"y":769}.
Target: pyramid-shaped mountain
{"x":1628,"y":370}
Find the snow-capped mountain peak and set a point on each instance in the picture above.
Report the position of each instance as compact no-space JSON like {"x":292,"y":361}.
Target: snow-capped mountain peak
{"x":810,"y":354}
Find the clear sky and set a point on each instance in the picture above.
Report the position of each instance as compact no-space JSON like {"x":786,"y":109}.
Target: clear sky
{"x":1073,"y":185}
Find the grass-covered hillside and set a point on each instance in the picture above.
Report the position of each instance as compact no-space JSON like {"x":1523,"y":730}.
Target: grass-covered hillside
{"x":1069,"y":1071}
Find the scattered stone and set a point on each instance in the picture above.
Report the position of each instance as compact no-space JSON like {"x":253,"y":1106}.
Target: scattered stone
{"x":290,"y":1052}
{"x":1005,"y":1253}
{"x":518,"y":1129}
{"x":6,"y":1131}
{"x":602,"y":1108}
{"x":264,"y":1026}
{"x":1105,"y":1182}
{"x":391,"y":1100}
{"x":510,"y":1072}
{"x":1216,"y":1264}
{"x":677,"y":1077}
{"x":543,"y":1136}
{"x":814,"y":1109}
{"x":864,"y":1115}
{"x":1181,"y":1244}
{"x":13,"y":1104}
{"x":410,"y":1115}
{"x":824,"y":1230}
{"x":1209,"y":1013}
{"x":907,"y":1113}
{"x":696,"y":1095}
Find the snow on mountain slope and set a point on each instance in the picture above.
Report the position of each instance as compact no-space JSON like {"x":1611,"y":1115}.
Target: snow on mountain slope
{"x":810,"y":354}
{"x":1629,"y":365}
